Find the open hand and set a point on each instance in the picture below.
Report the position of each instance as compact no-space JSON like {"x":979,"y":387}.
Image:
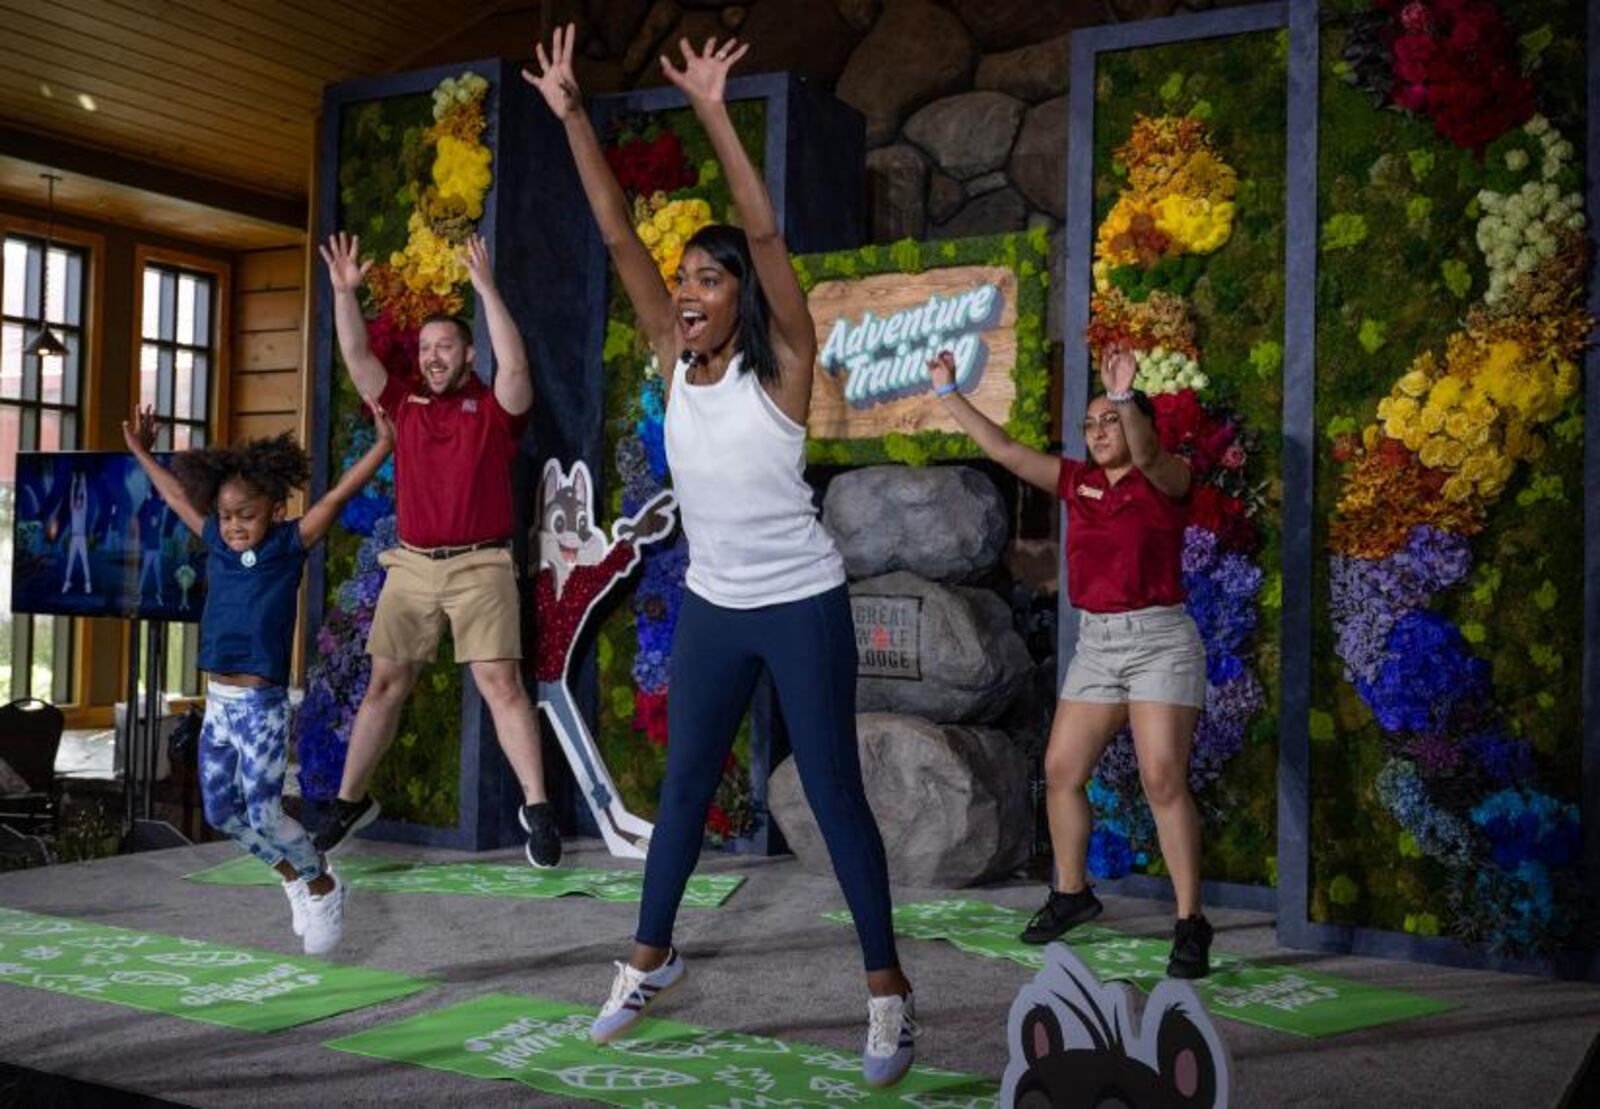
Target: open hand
{"x":705,"y":74}
{"x":555,"y":79}
{"x":1117,"y":367}
{"x":342,"y":254}
{"x":652,"y":521}
{"x":942,"y":369}
{"x":141,"y":435}
{"x":476,"y":257}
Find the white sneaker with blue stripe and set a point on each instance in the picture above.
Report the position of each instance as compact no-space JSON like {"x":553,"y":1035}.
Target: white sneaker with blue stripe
{"x":632,"y":991}
{"x":891,"y":1039}
{"x":297,"y":893}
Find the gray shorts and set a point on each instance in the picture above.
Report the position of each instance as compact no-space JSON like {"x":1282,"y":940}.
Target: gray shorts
{"x":1150,"y":654}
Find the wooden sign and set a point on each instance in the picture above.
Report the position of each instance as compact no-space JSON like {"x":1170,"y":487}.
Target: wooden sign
{"x":876,"y":334}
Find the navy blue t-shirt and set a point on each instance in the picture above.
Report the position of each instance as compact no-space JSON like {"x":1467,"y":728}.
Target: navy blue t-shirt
{"x":248,"y":623}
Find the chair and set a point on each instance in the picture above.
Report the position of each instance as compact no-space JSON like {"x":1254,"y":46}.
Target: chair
{"x":30,"y":735}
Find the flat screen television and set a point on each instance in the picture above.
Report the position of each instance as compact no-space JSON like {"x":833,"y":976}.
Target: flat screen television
{"x":92,"y":537}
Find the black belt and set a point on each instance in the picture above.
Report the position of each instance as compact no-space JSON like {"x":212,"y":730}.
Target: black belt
{"x":451,"y":552}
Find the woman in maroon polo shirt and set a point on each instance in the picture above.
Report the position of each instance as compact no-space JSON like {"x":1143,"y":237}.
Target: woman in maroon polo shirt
{"x":1139,"y":659}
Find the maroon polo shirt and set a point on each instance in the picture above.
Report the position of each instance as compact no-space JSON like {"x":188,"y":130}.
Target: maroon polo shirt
{"x":452,"y":463}
{"x":1124,"y":541}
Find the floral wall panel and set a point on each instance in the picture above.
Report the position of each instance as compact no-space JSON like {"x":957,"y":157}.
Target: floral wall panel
{"x":1453,"y":255}
{"x":1188,"y":189}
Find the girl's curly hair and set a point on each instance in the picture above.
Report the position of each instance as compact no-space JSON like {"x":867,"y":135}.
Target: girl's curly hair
{"x":273,"y":467}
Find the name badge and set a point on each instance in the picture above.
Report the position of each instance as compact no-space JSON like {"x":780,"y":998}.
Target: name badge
{"x":469,"y":405}
{"x":413,"y":398}
{"x":1091,"y":492}
{"x":248,"y":559}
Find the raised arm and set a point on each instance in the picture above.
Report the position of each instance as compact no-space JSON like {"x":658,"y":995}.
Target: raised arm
{"x":1037,"y":468}
{"x":640,"y":278}
{"x":513,"y":384}
{"x":320,"y":516}
{"x":345,"y":273}
{"x":1167,"y":472}
{"x":703,"y":80}
{"x":166,"y":482}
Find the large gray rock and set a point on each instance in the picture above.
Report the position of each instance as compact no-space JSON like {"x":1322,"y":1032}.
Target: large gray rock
{"x":1005,"y":24}
{"x":990,"y":214}
{"x":949,"y":653}
{"x":1039,"y":160}
{"x":897,"y":178}
{"x":969,"y":134}
{"x":1034,"y":72}
{"x":817,"y":47}
{"x":946,"y":523}
{"x":916,"y":52}
{"x":951,"y":802}
{"x":945,"y":196}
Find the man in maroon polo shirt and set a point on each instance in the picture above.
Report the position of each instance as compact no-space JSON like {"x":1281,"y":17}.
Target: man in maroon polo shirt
{"x":455,"y":439}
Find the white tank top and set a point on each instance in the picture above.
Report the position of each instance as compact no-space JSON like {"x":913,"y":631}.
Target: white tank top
{"x":738,"y":471}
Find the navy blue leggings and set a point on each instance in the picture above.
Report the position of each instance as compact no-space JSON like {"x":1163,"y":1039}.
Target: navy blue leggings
{"x":809,"y":645}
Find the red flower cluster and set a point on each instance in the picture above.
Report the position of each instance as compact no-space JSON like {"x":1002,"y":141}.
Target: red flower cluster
{"x":645,"y":166}
{"x":394,"y":344}
{"x":650,"y":715}
{"x":1223,"y":515}
{"x":1188,"y":430}
{"x":1455,"y":62}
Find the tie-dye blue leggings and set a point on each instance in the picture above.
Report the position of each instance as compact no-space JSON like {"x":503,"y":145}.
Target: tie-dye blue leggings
{"x":244,"y":750}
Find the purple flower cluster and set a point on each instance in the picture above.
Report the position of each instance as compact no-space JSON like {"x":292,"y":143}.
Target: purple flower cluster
{"x":1223,"y":727}
{"x":1370,"y":595}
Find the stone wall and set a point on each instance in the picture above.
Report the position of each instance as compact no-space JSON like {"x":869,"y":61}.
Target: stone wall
{"x":965,"y":100}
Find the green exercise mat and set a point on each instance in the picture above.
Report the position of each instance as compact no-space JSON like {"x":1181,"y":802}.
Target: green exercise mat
{"x":664,"y":1064}
{"x":260,"y":991}
{"x":1284,"y":998}
{"x":377,"y":874}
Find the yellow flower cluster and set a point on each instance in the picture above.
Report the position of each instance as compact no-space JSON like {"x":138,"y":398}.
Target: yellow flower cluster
{"x":444,"y":216}
{"x":1476,"y":417}
{"x":1179,"y":199}
{"x":428,"y":262}
{"x":461,"y":172}
{"x":664,"y":226}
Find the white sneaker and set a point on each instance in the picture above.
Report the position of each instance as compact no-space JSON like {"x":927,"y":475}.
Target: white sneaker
{"x":296,"y":892}
{"x":891,"y":1039}
{"x":324,"y":918}
{"x":632,"y":991}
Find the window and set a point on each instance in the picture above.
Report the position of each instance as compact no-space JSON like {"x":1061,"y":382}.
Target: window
{"x":177,"y":377}
{"x":41,"y":408}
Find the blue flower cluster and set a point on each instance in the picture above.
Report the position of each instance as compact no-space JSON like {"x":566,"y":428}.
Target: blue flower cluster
{"x":1438,"y":832}
{"x":1528,"y":827}
{"x":1370,"y":595}
{"x":1426,"y":674}
{"x":642,"y":463}
{"x":1110,"y":854}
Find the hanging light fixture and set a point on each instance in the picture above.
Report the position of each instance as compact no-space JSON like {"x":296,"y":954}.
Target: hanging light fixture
{"x":46,"y":344}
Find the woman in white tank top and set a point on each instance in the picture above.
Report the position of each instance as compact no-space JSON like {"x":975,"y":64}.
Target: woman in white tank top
{"x":766,"y":587}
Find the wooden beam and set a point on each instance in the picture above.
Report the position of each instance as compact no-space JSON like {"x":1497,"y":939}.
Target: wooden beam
{"x":123,"y":170}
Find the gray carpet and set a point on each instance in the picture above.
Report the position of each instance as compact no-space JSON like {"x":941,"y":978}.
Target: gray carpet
{"x":764,"y":963}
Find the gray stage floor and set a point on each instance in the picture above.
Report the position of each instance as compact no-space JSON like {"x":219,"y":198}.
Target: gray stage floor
{"x":764,"y":963}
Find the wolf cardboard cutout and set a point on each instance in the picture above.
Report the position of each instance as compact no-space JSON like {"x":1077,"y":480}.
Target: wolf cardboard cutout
{"x":577,"y":567}
{"x":1074,"y":1043}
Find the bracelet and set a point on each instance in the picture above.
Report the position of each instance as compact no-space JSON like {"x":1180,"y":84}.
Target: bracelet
{"x":945,"y":390}
{"x":1121,"y":398}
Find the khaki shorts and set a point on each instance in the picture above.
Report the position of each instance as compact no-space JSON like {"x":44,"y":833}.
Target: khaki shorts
{"x":476,"y":591}
{"x":1150,"y":654}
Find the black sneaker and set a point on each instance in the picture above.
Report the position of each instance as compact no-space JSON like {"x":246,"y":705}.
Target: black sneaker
{"x":1061,"y":912}
{"x":544,"y":838}
{"x":349,"y":817}
{"x":1191,"y":948}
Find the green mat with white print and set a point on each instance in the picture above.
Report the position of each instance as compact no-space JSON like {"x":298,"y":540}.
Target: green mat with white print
{"x":377,"y":874}
{"x":661,"y":1065}
{"x":259,"y":991}
{"x":1284,"y":998}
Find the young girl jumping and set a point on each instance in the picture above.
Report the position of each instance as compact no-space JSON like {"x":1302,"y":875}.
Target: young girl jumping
{"x":234,"y":499}
{"x":1139,"y":660}
{"x":766,"y":587}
